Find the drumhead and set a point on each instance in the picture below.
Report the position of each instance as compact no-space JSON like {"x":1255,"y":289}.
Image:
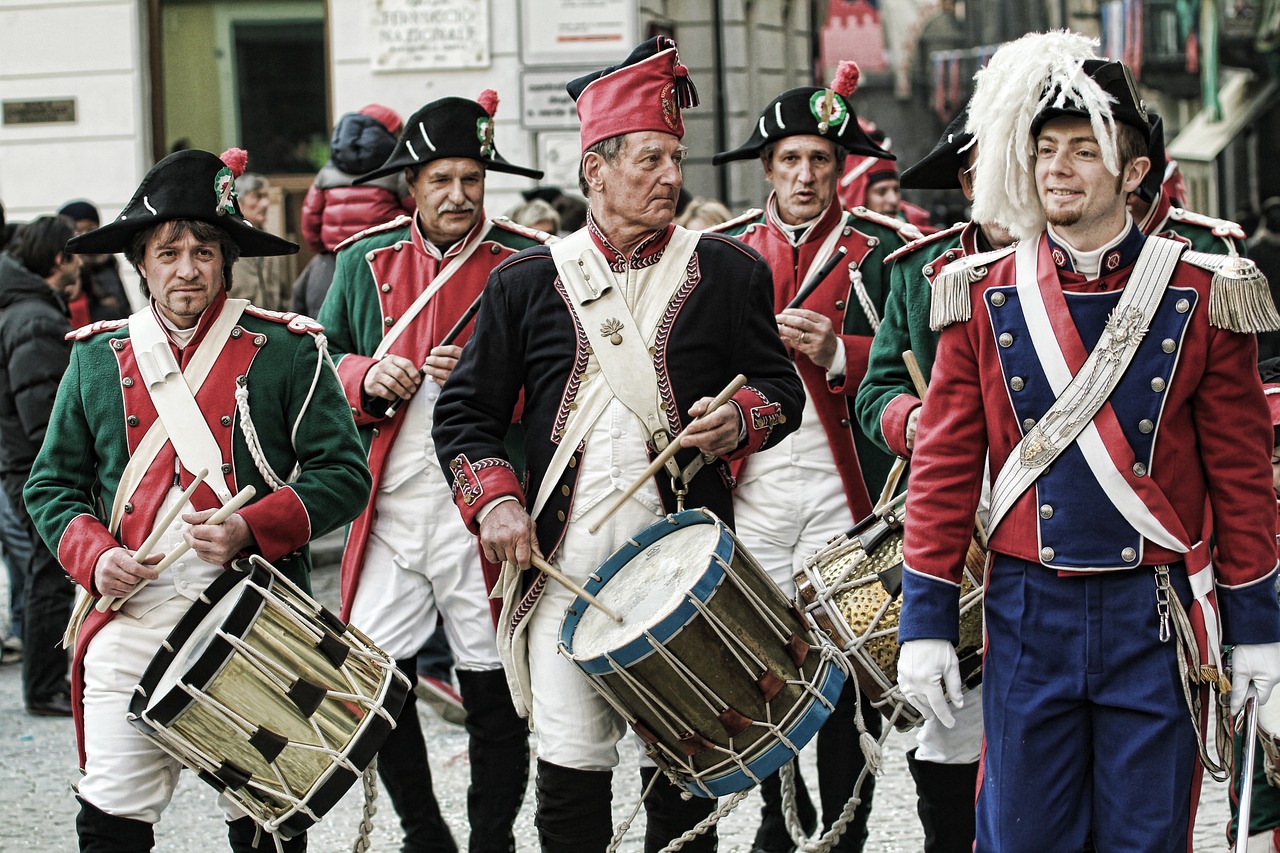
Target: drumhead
{"x":193,"y":653}
{"x":648,"y":583}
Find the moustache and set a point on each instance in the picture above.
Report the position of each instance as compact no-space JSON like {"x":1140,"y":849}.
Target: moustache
{"x":450,"y":207}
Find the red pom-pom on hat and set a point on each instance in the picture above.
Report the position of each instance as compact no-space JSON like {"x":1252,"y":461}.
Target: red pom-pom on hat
{"x":236,"y":159}
{"x":847,"y":76}
{"x":488,"y":101}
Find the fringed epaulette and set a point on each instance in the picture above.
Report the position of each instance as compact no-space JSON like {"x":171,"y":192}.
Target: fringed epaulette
{"x":1219,"y":227}
{"x":905,"y":229}
{"x":85,"y":332}
{"x":298,"y":323}
{"x":1239,"y":296}
{"x":399,"y":222}
{"x":514,"y":227}
{"x":949,"y":301}
{"x":925,"y":241}
{"x":742,"y":219}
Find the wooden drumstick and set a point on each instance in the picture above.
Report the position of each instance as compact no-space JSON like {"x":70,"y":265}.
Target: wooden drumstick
{"x":161,"y":526}
{"x":238,"y":500}
{"x":560,"y":578}
{"x":669,"y":451}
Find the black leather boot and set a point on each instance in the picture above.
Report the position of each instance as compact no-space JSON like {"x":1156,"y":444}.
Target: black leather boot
{"x":406,"y":777}
{"x":244,"y":832}
{"x":670,"y":815}
{"x":499,"y":750}
{"x":840,"y":761}
{"x":100,"y":832}
{"x":573,"y":809}
{"x":945,"y":802}
{"x":772,"y":835}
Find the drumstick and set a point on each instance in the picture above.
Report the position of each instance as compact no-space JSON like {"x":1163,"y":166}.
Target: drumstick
{"x":447,"y":340}
{"x":818,"y":277}
{"x":560,"y":578}
{"x":238,"y":500}
{"x":669,"y":451}
{"x":161,"y":526}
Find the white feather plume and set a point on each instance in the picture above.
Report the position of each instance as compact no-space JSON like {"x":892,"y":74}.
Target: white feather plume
{"x":1023,"y":78}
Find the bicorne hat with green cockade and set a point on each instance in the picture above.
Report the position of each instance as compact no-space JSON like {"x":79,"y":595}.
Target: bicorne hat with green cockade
{"x":450,"y":127}
{"x":193,"y":185}
{"x":811,"y":111}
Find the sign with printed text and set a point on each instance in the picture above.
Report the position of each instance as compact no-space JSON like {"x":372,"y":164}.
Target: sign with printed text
{"x":416,"y":35}
{"x":591,"y":32}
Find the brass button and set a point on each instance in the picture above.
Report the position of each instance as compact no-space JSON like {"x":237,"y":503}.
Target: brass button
{"x":1168,"y":345}
{"x":226,"y":467}
{"x":1182,"y":306}
{"x":1047,"y":554}
{"x":1028,"y":424}
{"x":1046,"y":512}
{"x":1157,"y":384}
{"x":386,"y":288}
{"x":1145,"y":426}
{"x":117,"y":344}
{"x":564,"y":490}
{"x":1006,"y":340}
{"x":388,"y":321}
{"x":1017,"y":383}
{"x":128,"y":507}
{"x":132,"y":420}
{"x":237,"y":332}
{"x":997,"y":299}
{"x":127,"y":382}
{"x":226,"y":420}
{"x":839,"y":304}
{"x":1139,"y":470}
{"x":1128,"y":555}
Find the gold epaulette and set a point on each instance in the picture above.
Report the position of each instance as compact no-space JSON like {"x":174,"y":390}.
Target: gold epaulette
{"x":906,"y":230}
{"x":1219,"y":227}
{"x":741,"y":219}
{"x":1239,"y":296}
{"x":949,"y":301}
{"x":514,"y":227}
{"x":399,"y":222}
{"x":925,"y":241}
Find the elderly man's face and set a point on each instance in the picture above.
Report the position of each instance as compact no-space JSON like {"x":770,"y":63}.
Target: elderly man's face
{"x":450,"y":198}
{"x":641,"y":187}
{"x":803,"y":171}
{"x":183,"y":274}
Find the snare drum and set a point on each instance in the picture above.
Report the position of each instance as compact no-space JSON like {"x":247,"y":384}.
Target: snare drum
{"x":712,"y":666}
{"x":851,"y":590}
{"x":269,"y":697}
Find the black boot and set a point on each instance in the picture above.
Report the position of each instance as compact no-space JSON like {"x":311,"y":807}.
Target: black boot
{"x":406,"y":777}
{"x":840,"y":761}
{"x":499,"y":751}
{"x":945,"y":801}
{"x":670,"y":815}
{"x":573,"y":813}
{"x":244,"y":832}
{"x":772,"y":835}
{"x":100,"y":832}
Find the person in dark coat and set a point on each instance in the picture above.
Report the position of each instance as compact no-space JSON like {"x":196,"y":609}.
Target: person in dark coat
{"x":36,"y":278}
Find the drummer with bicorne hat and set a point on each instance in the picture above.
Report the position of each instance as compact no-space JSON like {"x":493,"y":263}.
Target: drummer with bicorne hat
{"x":665,"y":321}
{"x":196,"y":379}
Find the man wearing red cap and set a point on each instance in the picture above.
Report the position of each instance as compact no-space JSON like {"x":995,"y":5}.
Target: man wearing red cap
{"x":700,"y":311}
{"x":824,"y":472}
{"x":195,"y":380}
{"x":398,"y":291}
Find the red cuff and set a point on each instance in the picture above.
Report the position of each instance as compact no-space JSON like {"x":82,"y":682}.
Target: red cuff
{"x":279,"y":523}
{"x":857,"y":354}
{"x":351,"y":372}
{"x":893,"y":422}
{"x":760,"y":417}
{"x":480,"y":483}
{"x":82,"y":543}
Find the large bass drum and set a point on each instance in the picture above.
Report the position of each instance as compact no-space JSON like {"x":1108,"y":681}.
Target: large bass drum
{"x":712,"y":666}
{"x":851,"y":589}
{"x":269,"y":697}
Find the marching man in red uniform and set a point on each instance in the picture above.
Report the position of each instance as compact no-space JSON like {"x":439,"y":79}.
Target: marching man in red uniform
{"x":1062,"y":360}
{"x":399,"y":289}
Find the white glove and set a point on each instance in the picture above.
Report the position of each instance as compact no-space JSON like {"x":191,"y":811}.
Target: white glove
{"x":925,"y":667}
{"x":1259,"y":664}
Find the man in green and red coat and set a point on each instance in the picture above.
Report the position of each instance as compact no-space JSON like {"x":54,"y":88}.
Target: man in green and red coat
{"x":398,"y":290}
{"x":193,"y":380}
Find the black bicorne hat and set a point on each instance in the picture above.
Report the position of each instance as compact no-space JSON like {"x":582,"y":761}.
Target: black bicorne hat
{"x":449,"y":127}
{"x":810,"y":111}
{"x":940,"y":168}
{"x":191,"y":184}
{"x":1116,"y":80}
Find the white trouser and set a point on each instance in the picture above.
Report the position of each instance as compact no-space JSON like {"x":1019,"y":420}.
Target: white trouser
{"x":420,"y":562}
{"x":576,"y":727}
{"x":127,"y":775}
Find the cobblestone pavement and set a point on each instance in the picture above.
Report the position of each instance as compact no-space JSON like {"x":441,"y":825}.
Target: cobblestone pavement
{"x":38,"y":761}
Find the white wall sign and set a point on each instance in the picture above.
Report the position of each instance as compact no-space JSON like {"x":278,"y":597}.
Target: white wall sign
{"x":430,"y":34}
{"x":544,"y":102}
{"x":596,"y":32}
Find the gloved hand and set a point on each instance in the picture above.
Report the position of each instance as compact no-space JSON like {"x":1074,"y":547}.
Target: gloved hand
{"x":1259,"y":664}
{"x":925,"y":667}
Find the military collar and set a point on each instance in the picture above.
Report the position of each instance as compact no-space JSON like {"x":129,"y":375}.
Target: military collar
{"x":646,"y":254}
{"x":1118,"y":255}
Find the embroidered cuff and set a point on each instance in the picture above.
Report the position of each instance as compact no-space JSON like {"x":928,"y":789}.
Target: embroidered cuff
{"x":279,"y":522}
{"x":1250,"y":614}
{"x":893,"y":423}
{"x":930,"y":609}
{"x":476,"y":485}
